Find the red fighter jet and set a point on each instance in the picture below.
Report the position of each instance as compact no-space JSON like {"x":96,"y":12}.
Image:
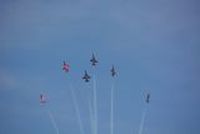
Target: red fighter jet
{"x":42,"y":99}
{"x":65,"y":67}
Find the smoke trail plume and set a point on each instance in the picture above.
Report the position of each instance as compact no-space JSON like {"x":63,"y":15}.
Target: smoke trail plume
{"x":53,"y":122}
{"x":77,"y":110}
{"x":142,"y":121}
{"x":112,"y":110}
{"x":95,"y":106}
{"x":91,"y":113}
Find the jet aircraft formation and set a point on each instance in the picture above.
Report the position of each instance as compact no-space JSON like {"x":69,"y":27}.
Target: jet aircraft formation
{"x":87,"y":77}
{"x":94,"y":61}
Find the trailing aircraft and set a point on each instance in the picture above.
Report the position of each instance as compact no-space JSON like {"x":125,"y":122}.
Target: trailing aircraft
{"x":93,"y":60}
{"x":42,"y":99}
{"x":65,"y":67}
{"x":113,"y":72}
{"x":86,"y":77}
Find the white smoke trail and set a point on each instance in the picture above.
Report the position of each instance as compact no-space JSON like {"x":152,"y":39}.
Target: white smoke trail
{"x":77,"y":110}
{"x":142,"y":121}
{"x":91,"y":116}
{"x":53,"y":121}
{"x":112,"y":110}
{"x":95,"y":106}
{"x":91,"y":112}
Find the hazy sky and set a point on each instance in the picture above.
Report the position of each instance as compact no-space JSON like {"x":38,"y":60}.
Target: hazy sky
{"x":154,"y":45}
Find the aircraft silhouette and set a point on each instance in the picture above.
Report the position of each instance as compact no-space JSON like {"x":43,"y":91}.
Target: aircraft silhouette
{"x":93,"y":60}
{"x":65,"y":67}
{"x":113,"y":72}
{"x":42,"y":99}
{"x":86,"y":77}
{"x":147,"y":97}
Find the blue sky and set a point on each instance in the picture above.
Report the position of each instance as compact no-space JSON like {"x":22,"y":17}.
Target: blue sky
{"x":153,"y":44}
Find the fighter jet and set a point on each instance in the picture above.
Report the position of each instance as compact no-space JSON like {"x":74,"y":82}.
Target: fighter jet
{"x":93,"y":60}
{"x":113,"y":72}
{"x":147,"y":97}
{"x":65,"y":67}
{"x":42,"y":99}
{"x":86,"y":77}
